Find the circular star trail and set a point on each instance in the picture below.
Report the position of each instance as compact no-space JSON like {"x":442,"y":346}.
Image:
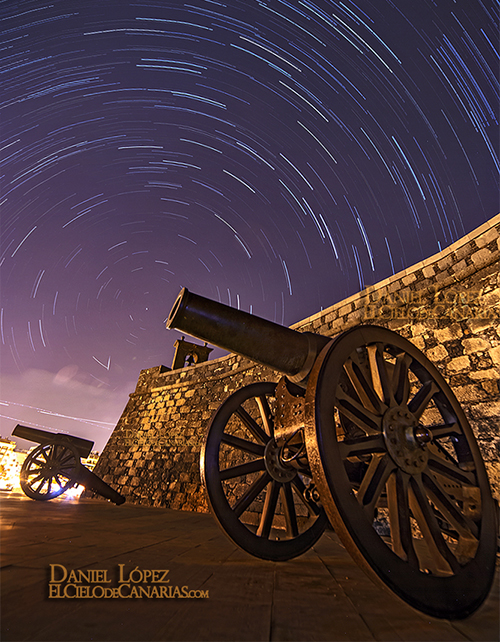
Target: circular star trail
{"x":274,"y":155}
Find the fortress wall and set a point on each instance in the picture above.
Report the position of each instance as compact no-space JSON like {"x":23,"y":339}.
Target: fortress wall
{"x":447,"y":305}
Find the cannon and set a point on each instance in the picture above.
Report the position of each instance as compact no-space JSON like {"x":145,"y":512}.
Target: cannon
{"x":362,"y":432}
{"x":54,"y":466}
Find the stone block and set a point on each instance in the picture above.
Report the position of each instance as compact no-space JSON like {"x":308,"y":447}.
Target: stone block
{"x":397,"y":324}
{"x":454,"y":331}
{"x":418,"y":342}
{"x":488,"y":411}
{"x":361,"y":302}
{"x":337,"y":326}
{"x":446,"y":262}
{"x":490,"y":300}
{"x":458,"y":364}
{"x":444,"y":278}
{"x":438,"y":353}
{"x":418,"y":329}
{"x":345,"y":309}
{"x":482,"y":257}
{"x":495,"y":356}
{"x":490,"y":387}
{"x":461,"y":266}
{"x":355,"y":317}
{"x":487,"y":237}
{"x":462,"y":252}
{"x":395,"y":286}
{"x":475,"y":344}
{"x":428,"y":271}
{"x":409,"y":278}
{"x":469,"y":394}
{"x":478,"y":325}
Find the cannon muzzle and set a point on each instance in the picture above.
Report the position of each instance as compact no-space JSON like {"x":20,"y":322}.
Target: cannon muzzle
{"x":288,"y":351}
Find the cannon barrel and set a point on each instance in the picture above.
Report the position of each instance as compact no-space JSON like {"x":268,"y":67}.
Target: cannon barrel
{"x":288,"y":351}
{"x":83,"y":446}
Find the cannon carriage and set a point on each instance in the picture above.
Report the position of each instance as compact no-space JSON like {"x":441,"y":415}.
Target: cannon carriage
{"x":54,"y":466}
{"x":361,"y":431}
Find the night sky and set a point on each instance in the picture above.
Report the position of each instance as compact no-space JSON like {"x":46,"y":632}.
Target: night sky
{"x":277,"y":156}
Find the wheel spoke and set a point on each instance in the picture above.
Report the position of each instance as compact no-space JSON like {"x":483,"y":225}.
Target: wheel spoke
{"x":380,"y":376}
{"x":40,"y":485}
{"x":254,"y":466}
{"x":252,"y":425}
{"x":43,"y":452}
{"x":449,"y":469}
{"x":364,"y":390}
{"x":362,"y":417}
{"x":374,"y":481}
{"x":422,"y":398}
{"x":266,"y":415}
{"x":251,"y":493}
{"x":399,"y":517}
{"x":449,"y":508}
{"x":400,"y":379}
{"x":243,"y":444}
{"x":362,"y":446}
{"x":266,"y":519}
{"x":442,"y":558}
{"x":288,"y":504}
{"x":445,"y":430}
{"x":35,"y":470}
{"x":67,"y":470}
{"x":63,"y":459}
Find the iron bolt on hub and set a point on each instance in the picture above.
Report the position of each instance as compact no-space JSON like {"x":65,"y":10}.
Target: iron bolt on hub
{"x":406,"y":439}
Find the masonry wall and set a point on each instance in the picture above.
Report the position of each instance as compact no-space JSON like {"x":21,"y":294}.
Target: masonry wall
{"x":447,"y":305}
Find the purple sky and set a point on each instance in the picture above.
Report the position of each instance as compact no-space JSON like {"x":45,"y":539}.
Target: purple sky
{"x":275,"y":155}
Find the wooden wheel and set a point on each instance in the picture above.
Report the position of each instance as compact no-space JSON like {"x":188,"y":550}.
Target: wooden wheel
{"x":49,"y":470}
{"x":399,"y":472}
{"x":264,"y":506}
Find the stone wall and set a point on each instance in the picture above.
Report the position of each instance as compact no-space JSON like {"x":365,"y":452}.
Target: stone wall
{"x":447,"y":305}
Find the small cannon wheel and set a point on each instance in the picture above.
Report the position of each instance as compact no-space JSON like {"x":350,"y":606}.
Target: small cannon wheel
{"x":49,"y":470}
{"x":267,"y":510}
{"x":399,"y":472}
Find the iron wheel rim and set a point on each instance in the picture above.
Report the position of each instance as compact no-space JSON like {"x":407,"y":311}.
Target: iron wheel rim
{"x":459,"y":588}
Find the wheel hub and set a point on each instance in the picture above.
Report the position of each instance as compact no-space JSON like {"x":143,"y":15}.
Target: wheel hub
{"x":406,"y":440}
{"x":275,"y":466}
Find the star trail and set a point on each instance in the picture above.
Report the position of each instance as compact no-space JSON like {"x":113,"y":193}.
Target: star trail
{"x":277,"y":156}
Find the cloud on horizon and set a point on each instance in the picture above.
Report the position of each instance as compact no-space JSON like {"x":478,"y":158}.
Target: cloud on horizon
{"x":68,"y":401}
